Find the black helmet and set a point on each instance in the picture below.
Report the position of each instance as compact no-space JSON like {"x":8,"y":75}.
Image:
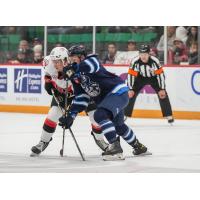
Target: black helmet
{"x":77,"y":50}
{"x":144,"y":48}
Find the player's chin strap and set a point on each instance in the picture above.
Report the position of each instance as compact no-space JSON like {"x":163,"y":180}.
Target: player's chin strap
{"x":64,"y":112}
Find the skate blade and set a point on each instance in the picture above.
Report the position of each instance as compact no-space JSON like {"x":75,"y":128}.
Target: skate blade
{"x":118,"y":156}
{"x":34,"y":155}
{"x":147,"y":153}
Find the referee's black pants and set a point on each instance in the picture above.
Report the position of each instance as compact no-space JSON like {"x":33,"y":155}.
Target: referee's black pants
{"x":140,"y":82}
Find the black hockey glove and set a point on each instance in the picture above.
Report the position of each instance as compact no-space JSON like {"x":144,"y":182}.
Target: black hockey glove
{"x":69,"y":71}
{"x":66,"y":121}
{"x":61,"y":98}
{"x":48,"y":87}
{"x":49,"y":84}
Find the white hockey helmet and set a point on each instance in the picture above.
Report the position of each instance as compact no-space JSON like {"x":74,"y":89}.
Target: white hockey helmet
{"x":46,"y":61}
{"x":59,"y":53}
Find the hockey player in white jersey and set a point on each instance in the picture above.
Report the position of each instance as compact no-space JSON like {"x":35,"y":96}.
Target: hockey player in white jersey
{"x":53,"y":66}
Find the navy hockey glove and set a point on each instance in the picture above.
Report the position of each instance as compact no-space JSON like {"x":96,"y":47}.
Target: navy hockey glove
{"x":69,"y":71}
{"x":66,"y":121}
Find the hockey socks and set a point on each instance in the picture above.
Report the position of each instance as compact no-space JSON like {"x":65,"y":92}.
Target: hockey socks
{"x":108,"y":129}
{"x":126,"y":133}
{"x":49,"y":128}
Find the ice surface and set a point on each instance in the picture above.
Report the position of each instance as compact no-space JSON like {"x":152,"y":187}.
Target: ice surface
{"x":175,"y":148}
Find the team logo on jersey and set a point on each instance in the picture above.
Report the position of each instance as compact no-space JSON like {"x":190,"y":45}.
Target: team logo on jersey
{"x":27,"y":80}
{"x":3,"y":80}
{"x":91,"y":88}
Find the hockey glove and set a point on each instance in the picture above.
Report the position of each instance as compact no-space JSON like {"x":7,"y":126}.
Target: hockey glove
{"x":49,"y":84}
{"x":131,"y":94}
{"x":69,"y":71}
{"x":61,"y":98}
{"x":162,"y":94}
{"x":66,"y":121}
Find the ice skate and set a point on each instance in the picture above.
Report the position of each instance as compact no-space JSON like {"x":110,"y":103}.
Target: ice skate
{"x":170,"y":120}
{"x":139,"y":149}
{"x":39,"y":148}
{"x":113,"y":152}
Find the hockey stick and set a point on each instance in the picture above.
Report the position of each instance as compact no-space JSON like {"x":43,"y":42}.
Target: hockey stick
{"x":80,"y":152}
{"x":64,"y":113}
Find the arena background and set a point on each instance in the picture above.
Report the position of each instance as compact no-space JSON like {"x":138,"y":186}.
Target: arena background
{"x":22,"y":49}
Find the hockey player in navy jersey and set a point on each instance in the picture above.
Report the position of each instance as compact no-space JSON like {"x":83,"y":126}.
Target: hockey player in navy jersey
{"x":91,"y":81}
{"x":53,"y":67}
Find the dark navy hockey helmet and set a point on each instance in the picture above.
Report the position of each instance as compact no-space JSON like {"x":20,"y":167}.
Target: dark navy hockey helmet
{"x":77,"y":50}
{"x":144,"y":48}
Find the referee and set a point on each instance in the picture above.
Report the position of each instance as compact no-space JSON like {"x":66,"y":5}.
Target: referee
{"x":146,"y":70}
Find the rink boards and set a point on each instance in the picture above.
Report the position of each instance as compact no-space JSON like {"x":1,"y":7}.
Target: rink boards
{"x":21,"y":90}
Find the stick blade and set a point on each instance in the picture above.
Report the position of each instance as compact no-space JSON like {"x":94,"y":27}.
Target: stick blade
{"x":61,"y":152}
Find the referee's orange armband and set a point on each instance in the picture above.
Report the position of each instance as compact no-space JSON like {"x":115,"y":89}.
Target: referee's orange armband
{"x":132,"y":72}
{"x":159,"y":71}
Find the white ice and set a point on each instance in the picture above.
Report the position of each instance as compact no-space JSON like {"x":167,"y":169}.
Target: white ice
{"x":175,"y":148}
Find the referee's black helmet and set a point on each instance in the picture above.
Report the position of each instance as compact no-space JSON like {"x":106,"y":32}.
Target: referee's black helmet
{"x":144,"y":48}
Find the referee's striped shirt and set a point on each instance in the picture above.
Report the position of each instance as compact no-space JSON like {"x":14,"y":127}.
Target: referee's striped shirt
{"x":150,"y":69}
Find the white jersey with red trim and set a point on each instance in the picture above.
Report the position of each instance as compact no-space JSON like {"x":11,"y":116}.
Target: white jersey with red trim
{"x":50,"y":70}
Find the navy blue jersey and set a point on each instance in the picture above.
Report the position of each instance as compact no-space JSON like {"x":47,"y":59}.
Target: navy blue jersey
{"x":94,"y":82}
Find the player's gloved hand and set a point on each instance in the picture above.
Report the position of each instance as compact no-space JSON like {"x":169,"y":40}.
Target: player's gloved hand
{"x":66,"y":121}
{"x":162,"y":94}
{"x":49,"y":85}
{"x":131,"y":93}
{"x":69,"y":71}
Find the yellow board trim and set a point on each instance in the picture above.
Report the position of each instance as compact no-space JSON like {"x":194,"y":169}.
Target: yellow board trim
{"x":136,"y":113}
{"x":24,"y":109}
{"x":158,"y":114}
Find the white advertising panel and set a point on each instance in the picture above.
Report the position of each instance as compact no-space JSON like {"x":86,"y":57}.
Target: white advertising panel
{"x":182,"y":84}
{"x":23,"y":85}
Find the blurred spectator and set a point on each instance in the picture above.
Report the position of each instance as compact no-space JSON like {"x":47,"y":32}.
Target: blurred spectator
{"x":153,"y":52}
{"x":24,"y":45}
{"x":192,"y":36}
{"x":170,"y":39}
{"x":36,"y":41}
{"x":8,"y":29}
{"x":5,"y":57}
{"x":179,"y":53}
{"x":38,"y":57}
{"x":37,"y":48}
{"x":110,"y":57}
{"x":181,"y":33}
{"x":193,"y":53}
{"x":131,"y":46}
{"x":20,"y":58}
{"x":38,"y":54}
{"x":171,"y":30}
